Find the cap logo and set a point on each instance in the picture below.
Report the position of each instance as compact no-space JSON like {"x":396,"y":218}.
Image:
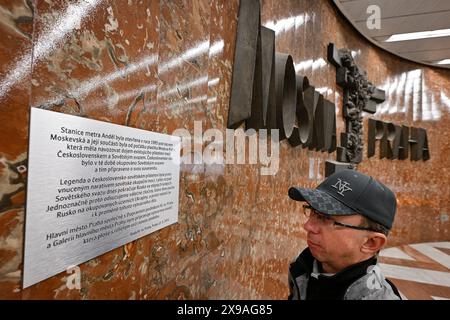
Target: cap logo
{"x":342,"y":186}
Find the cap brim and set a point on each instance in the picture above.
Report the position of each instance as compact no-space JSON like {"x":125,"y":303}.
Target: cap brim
{"x":321,"y":201}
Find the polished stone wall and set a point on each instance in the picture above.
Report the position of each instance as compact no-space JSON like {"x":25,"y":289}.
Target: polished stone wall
{"x":160,"y":65}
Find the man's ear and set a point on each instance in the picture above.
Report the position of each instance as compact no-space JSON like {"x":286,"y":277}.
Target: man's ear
{"x":374,"y":242}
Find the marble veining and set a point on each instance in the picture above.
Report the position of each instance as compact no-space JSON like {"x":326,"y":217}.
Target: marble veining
{"x":160,"y":65}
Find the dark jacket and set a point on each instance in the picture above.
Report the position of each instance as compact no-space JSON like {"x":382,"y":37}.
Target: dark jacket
{"x":361,"y":281}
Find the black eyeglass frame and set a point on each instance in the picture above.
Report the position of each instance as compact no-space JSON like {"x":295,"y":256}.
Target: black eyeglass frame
{"x":336,"y":222}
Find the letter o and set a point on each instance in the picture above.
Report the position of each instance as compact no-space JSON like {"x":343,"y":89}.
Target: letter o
{"x":285,"y":94}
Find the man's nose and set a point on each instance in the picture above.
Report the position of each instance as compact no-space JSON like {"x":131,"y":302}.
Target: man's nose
{"x":311,"y":225}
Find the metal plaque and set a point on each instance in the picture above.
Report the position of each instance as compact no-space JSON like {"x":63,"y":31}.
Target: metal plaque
{"x":93,"y":186}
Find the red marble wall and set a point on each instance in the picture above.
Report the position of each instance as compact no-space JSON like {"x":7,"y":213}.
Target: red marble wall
{"x":161,"y":65}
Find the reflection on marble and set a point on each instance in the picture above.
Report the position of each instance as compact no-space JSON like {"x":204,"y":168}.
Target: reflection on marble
{"x":160,"y":65}
{"x":407,"y":91}
{"x":285,"y":24}
{"x":64,"y":22}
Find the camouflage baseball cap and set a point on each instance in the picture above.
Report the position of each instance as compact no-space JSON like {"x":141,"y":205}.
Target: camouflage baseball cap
{"x":349,"y":192}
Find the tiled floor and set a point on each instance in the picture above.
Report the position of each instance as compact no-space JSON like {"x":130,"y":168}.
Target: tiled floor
{"x":420,"y":271}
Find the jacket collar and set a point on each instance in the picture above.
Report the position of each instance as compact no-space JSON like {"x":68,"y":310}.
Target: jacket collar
{"x":304,"y":265}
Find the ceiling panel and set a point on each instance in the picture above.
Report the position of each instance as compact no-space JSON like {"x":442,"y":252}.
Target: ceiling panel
{"x":404,"y":16}
{"x":394,"y":8}
{"x":428,"y":55}
{"x":428,"y":21}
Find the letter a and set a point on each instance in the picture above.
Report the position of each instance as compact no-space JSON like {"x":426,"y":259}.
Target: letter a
{"x":74,"y":280}
{"x":374,"y":20}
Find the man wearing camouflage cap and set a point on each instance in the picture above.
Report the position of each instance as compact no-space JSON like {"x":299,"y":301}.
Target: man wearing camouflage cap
{"x":349,"y":217}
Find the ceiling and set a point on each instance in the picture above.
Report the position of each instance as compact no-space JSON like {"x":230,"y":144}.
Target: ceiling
{"x":404,"y":16}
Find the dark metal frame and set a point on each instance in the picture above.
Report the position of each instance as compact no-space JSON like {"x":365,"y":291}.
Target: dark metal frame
{"x":337,"y":223}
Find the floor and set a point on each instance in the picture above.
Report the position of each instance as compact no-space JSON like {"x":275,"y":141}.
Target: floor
{"x":420,"y":271}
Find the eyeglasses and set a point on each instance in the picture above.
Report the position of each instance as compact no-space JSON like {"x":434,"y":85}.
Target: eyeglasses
{"x":324,"y":219}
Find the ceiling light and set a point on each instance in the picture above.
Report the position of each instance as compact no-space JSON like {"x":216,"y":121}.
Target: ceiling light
{"x":418,"y":35}
{"x":445,"y":61}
